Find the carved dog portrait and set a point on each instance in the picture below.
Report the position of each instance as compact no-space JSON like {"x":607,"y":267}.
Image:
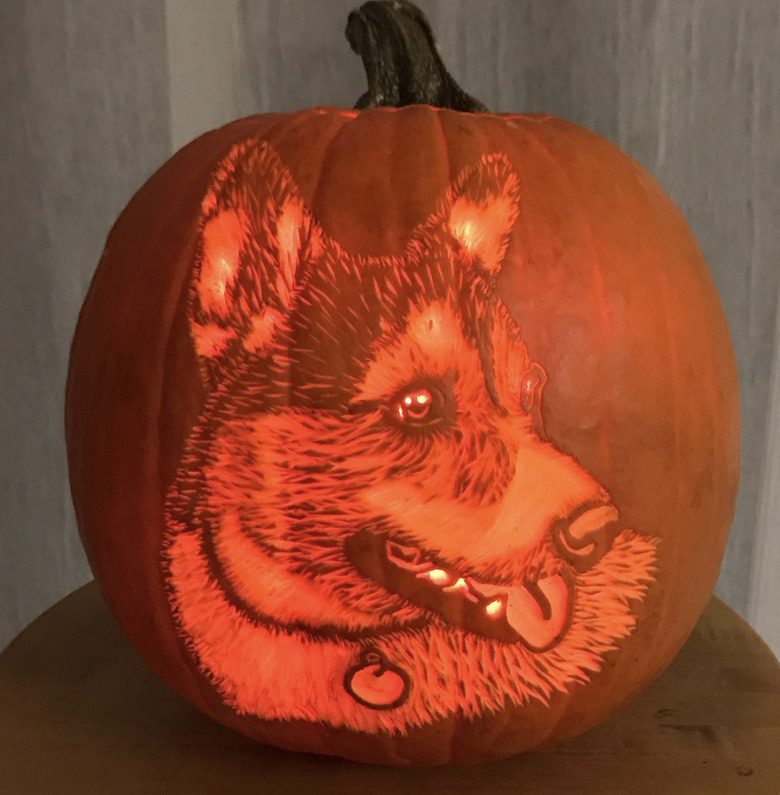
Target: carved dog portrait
{"x":368,"y":526}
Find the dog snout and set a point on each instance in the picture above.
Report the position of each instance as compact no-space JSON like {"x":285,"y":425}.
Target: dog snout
{"x":585,"y":536}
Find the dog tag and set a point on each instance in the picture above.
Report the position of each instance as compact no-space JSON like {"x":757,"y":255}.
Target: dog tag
{"x":376,"y":683}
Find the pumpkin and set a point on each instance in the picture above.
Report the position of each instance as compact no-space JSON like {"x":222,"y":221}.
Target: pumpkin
{"x":404,"y":434}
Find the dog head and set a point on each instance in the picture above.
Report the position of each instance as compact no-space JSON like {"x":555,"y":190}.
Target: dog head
{"x":371,"y":461}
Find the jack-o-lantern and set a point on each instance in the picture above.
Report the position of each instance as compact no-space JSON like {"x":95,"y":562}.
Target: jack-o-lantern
{"x":408,"y":435}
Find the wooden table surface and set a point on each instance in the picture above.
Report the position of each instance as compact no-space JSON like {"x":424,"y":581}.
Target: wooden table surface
{"x":80,"y":713}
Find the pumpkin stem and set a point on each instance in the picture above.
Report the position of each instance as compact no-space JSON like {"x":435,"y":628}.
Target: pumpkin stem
{"x":402,"y":63}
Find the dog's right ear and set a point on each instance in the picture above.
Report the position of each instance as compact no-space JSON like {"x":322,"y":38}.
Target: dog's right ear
{"x":481,"y":209}
{"x":255,"y":238}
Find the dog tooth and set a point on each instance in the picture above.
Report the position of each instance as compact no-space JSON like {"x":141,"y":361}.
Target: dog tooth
{"x":462,"y":587}
{"x":496,"y":608}
{"x":437,"y":576}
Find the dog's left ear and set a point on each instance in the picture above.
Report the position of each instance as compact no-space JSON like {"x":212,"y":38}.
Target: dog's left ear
{"x":256,"y":238}
{"x":484,"y":203}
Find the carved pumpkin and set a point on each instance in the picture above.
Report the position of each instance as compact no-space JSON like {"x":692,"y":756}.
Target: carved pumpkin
{"x":405,"y":435}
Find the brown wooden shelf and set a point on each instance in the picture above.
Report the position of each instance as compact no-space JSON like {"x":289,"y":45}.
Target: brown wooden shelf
{"x":81,"y":713}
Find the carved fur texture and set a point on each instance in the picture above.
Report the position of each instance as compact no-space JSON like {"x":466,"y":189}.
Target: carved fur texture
{"x":368,"y":527}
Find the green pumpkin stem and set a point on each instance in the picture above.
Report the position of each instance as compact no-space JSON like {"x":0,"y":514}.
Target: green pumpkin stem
{"x":402,"y":63}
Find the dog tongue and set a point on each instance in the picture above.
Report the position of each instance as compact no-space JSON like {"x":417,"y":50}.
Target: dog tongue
{"x":535,"y":613}
{"x":538,"y":612}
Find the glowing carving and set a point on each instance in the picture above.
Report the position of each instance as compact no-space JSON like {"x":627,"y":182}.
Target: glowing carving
{"x":496,"y":608}
{"x":222,"y":239}
{"x":479,"y":220}
{"x":367,"y":512}
{"x":415,"y":406}
{"x":439,"y":577}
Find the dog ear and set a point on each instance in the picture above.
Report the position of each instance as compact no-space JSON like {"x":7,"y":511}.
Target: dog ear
{"x":482,"y":207}
{"x":256,"y":235}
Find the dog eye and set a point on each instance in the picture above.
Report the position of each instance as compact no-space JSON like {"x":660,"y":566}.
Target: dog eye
{"x":415,"y":406}
{"x":420,"y":406}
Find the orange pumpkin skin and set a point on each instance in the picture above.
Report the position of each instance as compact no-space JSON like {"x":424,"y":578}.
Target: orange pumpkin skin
{"x":612,"y":298}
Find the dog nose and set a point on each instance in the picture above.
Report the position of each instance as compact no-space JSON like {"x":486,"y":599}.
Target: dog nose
{"x":585,"y":536}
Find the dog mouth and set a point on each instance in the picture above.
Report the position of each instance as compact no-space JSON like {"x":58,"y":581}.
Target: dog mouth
{"x":536,"y":613}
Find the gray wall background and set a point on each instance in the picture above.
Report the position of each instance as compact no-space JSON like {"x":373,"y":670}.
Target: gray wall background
{"x":95,"y":94}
